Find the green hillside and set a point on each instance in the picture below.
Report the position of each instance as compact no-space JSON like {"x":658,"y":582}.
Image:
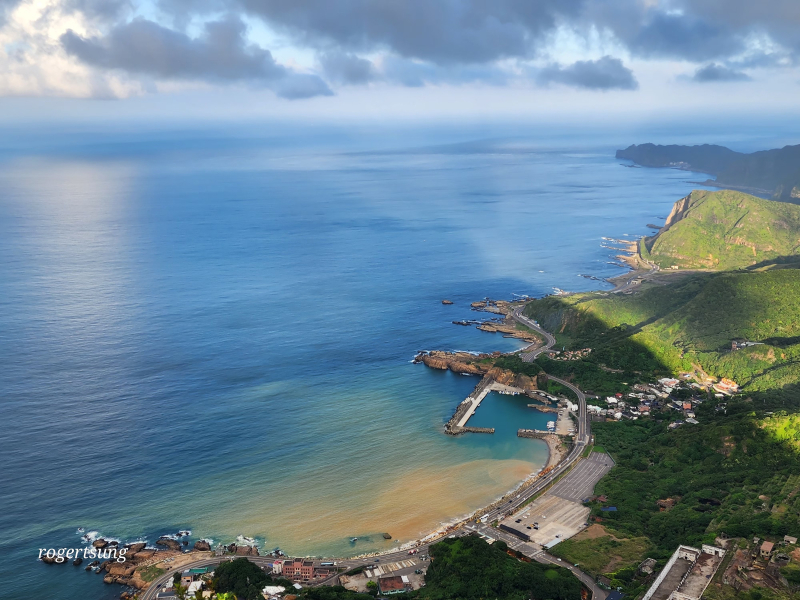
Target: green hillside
{"x":725,"y":230}
{"x":682,"y":327}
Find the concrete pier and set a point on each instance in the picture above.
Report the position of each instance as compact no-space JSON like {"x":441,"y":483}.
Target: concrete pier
{"x":458,"y":422}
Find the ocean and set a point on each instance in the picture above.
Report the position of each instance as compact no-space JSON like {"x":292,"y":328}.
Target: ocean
{"x":212,"y":334}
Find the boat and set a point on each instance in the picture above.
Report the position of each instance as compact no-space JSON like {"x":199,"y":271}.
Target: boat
{"x":353,"y":540}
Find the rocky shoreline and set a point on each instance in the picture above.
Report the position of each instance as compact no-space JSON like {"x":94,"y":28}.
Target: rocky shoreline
{"x":140,"y":557}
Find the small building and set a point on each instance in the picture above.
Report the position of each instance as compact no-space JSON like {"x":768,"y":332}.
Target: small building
{"x":789,"y":539}
{"x":766,"y":549}
{"x":194,"y":587}
{"x":277,"y":567}
{"x":647,"y":566}
{"x":392,"y":585}
{"x":292,"y":568}
{"x":186,"y":577}
{"x":307,"y":570}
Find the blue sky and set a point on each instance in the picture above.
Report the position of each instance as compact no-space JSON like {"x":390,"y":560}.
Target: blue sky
{"x":351,"y":59}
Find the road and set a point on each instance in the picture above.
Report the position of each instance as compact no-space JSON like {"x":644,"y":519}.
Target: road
{"x":582,"y":439}
{"x":636,"y":278}
{"x":530,"y":353}
{"x":262,"y":561}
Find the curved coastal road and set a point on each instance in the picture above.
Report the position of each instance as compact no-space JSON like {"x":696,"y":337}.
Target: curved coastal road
{"x":530,"y":353}
{"x":582,"y":439}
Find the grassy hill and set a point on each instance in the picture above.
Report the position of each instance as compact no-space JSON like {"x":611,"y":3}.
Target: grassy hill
{"x":725,"y":230}
{"x":682,"y":327}
{"x":776,"y":172}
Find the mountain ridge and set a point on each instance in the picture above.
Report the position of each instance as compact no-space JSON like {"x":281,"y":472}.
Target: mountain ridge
{"x":771,"y":172}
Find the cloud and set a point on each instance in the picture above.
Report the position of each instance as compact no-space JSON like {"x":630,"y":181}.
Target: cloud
{"x":442,"y":32}
{"x":606,"y":73}
{"x":683,"y":36}
{"x":715,"y":72}
{"x":345,"y":68}
{"x":220,"y":54}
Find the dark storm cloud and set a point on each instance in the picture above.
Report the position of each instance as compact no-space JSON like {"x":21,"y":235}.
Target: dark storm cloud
{"x":715,"y":72}
{"x":606,"y":73}
{"x":682,"y":36}
{"x":442,"y":31}
{"x":146,"y":48}
{"x":346,"y":68}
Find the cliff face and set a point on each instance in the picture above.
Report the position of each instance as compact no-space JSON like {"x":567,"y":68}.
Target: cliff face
{"x":677,"y":213}
{"x":507,"y":377}
{"x":470,"y":364}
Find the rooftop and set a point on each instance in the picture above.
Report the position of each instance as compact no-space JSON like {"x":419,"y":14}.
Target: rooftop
{"x":391,"y":583}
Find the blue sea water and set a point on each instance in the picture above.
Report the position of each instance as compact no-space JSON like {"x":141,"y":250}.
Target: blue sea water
{"x":216,"y":335}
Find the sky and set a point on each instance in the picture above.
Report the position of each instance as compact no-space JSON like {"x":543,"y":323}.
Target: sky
{"x":383,"y":59}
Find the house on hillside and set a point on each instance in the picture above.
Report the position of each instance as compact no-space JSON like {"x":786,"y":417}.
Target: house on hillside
{"x":766,"y":550}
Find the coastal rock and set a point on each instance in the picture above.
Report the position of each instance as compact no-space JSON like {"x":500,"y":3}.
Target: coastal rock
{"x":169,"y":543}
{"x":77,"y":562}
{"x":243,"y":550}
{"x":137,"y":547}
{"x":447,"y":301}
{"x":524,"y":382}
{"x":121,"y":570}
{"x":202,"y":546}
{"x":49,"y":561}
{"x":108,"y":579}
{"x":100,"y":543}
{"x":142,"y":555}
{"x":126,"y":596}
{"x":93,"y":564}
{"x":458,"y":362}
{"x":509,"y":329}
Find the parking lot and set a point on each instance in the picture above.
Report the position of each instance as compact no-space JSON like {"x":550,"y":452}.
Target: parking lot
{"x":560,"y":513}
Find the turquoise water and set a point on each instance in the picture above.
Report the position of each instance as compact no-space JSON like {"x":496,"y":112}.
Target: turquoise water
{"x":217,"y":335}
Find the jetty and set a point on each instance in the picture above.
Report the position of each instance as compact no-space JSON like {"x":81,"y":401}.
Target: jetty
{"x":533,"y":433}
{"x":458,"y":422}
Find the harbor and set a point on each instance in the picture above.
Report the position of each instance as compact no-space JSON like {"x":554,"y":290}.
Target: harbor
{"x":458,"y":422}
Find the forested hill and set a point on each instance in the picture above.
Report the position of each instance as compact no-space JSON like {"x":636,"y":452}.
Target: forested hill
{"x":776,"y":172}
{"x":725,"y":230}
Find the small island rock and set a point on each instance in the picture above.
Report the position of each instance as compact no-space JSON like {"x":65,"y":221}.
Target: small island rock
{"x":168,"y":542}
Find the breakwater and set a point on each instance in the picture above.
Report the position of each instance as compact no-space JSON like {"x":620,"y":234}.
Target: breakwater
{"x":544,"y":409}
{"x":533,"y":433}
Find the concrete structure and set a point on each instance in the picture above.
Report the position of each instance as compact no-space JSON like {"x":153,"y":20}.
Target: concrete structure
{"x":687,"y":574}
{"x":393,"y":585}
{"x":560,"y":514}
{"x":766,"y":549}
{"x":789,"y":539}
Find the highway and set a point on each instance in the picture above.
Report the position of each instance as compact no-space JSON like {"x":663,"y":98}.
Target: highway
{"x":530,"y":353}
{"x":582,"y":439}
